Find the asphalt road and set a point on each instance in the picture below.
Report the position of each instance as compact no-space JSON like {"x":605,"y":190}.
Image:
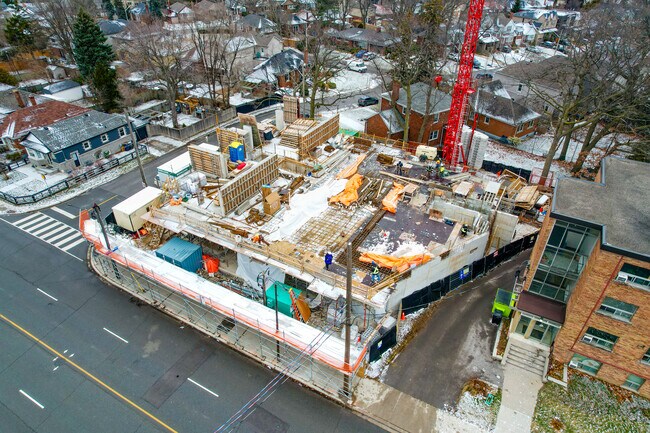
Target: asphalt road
{"x":456,"y":343}
{"x":142,"y":371}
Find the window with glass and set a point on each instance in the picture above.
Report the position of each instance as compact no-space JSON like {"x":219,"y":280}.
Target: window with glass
{"x":635,"y":276}
{"x":86,"y":145}
{"x":486,"y":120}
{"x":520,"y":127}
{"x":585,"y":364}
{"x":633,"y":382}
{"x":565,"y":255}
{"x":601,"y":339}
{"x":646,"y":358}
{"x":436,"y":118}
{"x":617,"y":309}
{"x":433,"y":135}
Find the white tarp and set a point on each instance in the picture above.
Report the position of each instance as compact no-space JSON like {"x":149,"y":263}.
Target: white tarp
{"x":249,"y":269}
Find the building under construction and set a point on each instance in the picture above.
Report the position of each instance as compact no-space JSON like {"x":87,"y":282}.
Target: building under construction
{"x":237,"y":247}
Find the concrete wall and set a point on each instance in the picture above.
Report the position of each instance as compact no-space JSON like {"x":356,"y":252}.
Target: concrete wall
{"x":504,"y":229}
{"x":455,"y":212}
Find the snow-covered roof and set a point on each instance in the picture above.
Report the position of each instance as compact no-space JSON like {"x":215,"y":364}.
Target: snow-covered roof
{"x":488,"y":39}
{"x":112,"y":27}
{"x":495,"y":87}
{"x":391,"y":120}
{"x":60,"y":86}
{"x":239,"y":43}
{"x":379,"y":39}
{"x":281,"y":63}
{"x":258,"y":22}
{"x":502,"y":109}
{"x":438,"y":101}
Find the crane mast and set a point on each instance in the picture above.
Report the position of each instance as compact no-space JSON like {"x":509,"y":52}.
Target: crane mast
{"x":452,"y":150}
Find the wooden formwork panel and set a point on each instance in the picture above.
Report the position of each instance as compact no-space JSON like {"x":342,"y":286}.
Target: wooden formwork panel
{"x":291,"y":107}
{"x":247,"y":119}
{"x":227,"y":136}
{"x":305,"y":134}
{"x":247,"y":184}
{"x":208,"y":161}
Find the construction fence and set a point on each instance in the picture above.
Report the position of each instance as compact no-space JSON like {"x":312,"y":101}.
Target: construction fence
{"x":183,"y":134}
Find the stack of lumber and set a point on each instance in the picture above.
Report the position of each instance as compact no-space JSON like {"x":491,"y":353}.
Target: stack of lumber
{"x":527,"y":197}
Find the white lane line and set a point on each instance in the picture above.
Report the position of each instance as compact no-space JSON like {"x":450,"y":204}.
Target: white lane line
{"x":64,"y":213}
{"x":203,"y":387}
{"x":52,"y":232}
{"x":47,"y":294}
{"x":55,"y":359}
{"x":60,"y":235}
{"x":47,"y":228}
{"x":115,"y":335}
{"x":26,"y":218}
{"x":39,"y":225}
{"x":56,"y":368}
{"x":75,"y":243}
{"x":31,"y":399}
{"x":41,"y":218}
{"x":72,"y":237}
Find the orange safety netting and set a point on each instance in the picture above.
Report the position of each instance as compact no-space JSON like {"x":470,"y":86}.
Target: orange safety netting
{"x":399,"y":263}
{"x":349,"y":195}
{"x":351,"y":169}
{"x":390,"y":201}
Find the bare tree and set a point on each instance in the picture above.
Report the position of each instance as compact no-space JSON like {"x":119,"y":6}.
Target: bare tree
{"x":162,"y":53}
{"x":58,"y":17}
{"x":364,"y":8}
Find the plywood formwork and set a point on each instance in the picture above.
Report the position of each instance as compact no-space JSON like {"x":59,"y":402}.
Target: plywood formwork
{"x":247,"y":184}
{"x":305,"y":134}
{"x":209,"y":160}
{"x":247,"y":119}
{"x":291,"y":108}
{"x":227,"y":136}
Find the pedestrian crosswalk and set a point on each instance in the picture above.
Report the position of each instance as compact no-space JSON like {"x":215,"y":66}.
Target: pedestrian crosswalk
{"x":50,"y":230}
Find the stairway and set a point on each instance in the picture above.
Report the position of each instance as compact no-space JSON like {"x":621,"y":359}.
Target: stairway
{"x":527,"y":355}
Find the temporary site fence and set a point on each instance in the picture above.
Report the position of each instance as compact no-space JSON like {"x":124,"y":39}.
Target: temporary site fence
{"x":243,"y":332}
{"x":73,"y":181}
{"x":182,"y":134}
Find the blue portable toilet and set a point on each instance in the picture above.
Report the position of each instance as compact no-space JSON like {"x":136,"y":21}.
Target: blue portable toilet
{"x":236,"y":151}
{"x":181,"y":253}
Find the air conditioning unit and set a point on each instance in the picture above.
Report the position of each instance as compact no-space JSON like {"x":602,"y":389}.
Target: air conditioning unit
{"x":587,"y":339}
{"x":574,"y":364}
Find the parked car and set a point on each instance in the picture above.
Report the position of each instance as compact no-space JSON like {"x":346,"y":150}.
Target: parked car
{"x":369,"y":56}
{"x":533,"y":49}
{"x":548,"y":44}
{"x":360,"y":54}
{"x":506,"y":49}
{"x":484,"y":76}
{"x":357,"y":66}
{"x":364,"y":101}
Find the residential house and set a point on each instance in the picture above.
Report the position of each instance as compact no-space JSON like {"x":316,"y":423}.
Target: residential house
{"x":291,"y":23}
{"x":389,"y":122}
{"x":586,"y":297}
{"x":257,"y":23}
{"x":138,"y":11}
{"x":179,"y":13}
{"x":79,"y":140}
{"x":498,"y":115}
{"x":267,"y":45}
{"x":365,"y":39}
{"x":283,"y":70}
{"x":66,"y":91}
{"x":240,"y":51}
{"x":567,"y":20}
{"x":206,"y":9}
{"x":17,"y":125}
{"x":525,"y":34}
{"x":111,"y":28}
{"x":55,"y":72}
{"x":288,"y":5}
{"x":544,"y":20}
{"x":13,"y":99}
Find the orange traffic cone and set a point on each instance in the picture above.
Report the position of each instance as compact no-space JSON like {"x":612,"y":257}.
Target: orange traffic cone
{"x":403,"y":316}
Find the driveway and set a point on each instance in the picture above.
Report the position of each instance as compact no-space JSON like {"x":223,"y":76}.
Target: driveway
{"x":455,"y":345}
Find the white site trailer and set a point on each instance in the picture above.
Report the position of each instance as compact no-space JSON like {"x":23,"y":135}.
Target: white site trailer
{"x":174,"y":168}
{"x":128,"y":213}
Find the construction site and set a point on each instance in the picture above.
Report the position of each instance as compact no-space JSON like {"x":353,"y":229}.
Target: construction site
{"x":248,"y":240}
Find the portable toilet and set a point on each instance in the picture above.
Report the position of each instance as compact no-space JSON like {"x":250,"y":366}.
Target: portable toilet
{"x":284,"y":299}
{"x":181,"y":253}
{"x":237,"y":152}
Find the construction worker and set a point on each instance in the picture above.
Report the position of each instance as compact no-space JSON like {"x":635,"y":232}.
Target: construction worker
{"x":259,"y":239}
{"x":374,"y":274}
{"x":400,"y":164}
{"x":328,"y":260}
{"x":464,"y":230}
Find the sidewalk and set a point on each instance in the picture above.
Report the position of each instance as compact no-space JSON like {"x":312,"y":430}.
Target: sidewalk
{"x":519,"y":397}
{"x":398,"y":412}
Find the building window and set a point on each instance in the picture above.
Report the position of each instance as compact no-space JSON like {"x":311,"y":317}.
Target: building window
{"x":617,"y":309}
{"x":646,"y":357}
{"x":531,"y":124}
{"x":601,"y":339}
{"x":122,"y":131}
{"x":404,"y":111}
{"x":486,"y":120}
{"x":436,"y":118}
{"x":546,"y":108}
{"x":520,"y":87}
{"x":433,"y":135}
{"x":104,"y":138}
{"x":634,"y":276}
{"x":633,"y":382}
{"x":86,"y":145}
{"x":585,"y":364}
{"x":520,"y":127}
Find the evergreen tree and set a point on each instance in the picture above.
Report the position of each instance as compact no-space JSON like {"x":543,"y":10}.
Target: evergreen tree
{"x":19,"y":32}
{"x":7,"y":78}
{"x":104,"y":83}
{"x":109,"y":8}
{"x":516,"y":6}
{"x":156,"y":7}
{"x":120,"y":10}
{"x":90,"y":45}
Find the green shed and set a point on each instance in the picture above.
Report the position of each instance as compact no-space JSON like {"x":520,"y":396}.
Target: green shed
{"x":504,"y":302}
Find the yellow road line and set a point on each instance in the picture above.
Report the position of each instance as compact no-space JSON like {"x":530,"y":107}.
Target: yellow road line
{"x":107,"y":200}
{"x":86,"y":373}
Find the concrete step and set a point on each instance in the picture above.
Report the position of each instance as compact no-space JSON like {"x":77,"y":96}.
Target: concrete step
{"x":533,"y":362}
{"x":534,"y":357}
{"x":525,"y":366}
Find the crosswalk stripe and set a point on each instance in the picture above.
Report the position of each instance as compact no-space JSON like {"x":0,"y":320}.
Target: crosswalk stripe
{"x":47,"y":228}
{"x":63,"y":212}
{"x":75,"y":243}
{"x":38,"y":225}
{"x":52,"y":232}
{"x":61,"y":235}
{"x":16,"y":223}
{"x":24,"y":226}
{"x":70,"y":238}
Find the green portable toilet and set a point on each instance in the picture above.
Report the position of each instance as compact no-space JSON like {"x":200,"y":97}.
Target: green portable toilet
{"x":284,"y":299}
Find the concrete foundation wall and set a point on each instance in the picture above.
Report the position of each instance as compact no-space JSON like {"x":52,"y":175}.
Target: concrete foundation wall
{"x":504,"y":229}
{"x":455,"y":212}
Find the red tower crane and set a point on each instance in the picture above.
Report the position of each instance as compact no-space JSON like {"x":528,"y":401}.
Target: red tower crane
{"x":452,"y":150}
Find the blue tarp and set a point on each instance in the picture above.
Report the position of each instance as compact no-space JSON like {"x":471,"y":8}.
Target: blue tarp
{"x":181,"y":253}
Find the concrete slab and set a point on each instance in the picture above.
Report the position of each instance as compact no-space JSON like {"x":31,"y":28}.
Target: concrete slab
{"x":519,"y":397}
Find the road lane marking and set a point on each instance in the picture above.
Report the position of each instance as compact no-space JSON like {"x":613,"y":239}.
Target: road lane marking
{"x":47,"y":294}
{"x":27,"y":217}
{"x":115,"y":335}
{"x":203,"y":387}
{"x":56,"y":368}
{"x":31,"y":399}
{"x":63,"y":212}
{"x":48,"y":229}
{"x":74,"y":244}
{"x":41,"y":218}
{"x":25,"y":229}
{"x":45,"y":236}
{"x":87,"y":373}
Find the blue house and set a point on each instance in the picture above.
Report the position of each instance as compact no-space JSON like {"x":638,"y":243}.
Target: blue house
{"x":78,"y":141}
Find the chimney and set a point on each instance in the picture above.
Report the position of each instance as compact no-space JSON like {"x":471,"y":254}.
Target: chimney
{"x":32,"y":100}
{"x":19,"y":99}
{"x":394,"y":96}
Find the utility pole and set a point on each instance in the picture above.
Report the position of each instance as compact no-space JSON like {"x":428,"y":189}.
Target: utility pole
{"x":348,"y":319}
{"x":135,"y":145}
{"x":277,"y":324}
{"x":97,"y":211}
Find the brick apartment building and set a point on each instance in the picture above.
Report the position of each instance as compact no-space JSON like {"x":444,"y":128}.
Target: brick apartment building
{"x":389,"y":122}
{"x":586,"y":296}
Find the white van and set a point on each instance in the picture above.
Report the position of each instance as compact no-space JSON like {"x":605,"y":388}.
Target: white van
{"x":357,"y":66}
